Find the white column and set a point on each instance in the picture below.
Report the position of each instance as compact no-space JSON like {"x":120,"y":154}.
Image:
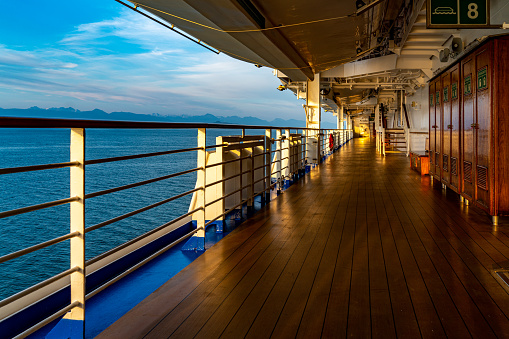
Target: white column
{"x":286,"y":154}
{"x":278,"y":159}
{"x":77,"y":223}
{"x":268,"y":165}
{"x":221,"y":188}
{"x":313,"y":119}
{"x":200,"y":194}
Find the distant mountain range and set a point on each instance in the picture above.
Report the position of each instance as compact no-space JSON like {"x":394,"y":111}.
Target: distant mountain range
{"x":97,"y":114}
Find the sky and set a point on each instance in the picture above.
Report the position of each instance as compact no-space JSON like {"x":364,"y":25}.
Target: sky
{"x":99,"y":54}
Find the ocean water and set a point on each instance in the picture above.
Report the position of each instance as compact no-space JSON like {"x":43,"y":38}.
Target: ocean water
{"x":24,"y":147}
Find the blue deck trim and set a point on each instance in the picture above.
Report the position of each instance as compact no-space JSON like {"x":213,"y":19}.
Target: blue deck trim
{"x":68,"y":328}
{"x":38,"y":311}
{"x":108,"y":306}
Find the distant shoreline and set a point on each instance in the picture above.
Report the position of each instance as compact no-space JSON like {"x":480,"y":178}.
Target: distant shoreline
{"x":97,"y":114}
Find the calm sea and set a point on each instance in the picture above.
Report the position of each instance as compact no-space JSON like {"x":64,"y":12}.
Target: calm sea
{"x":23,"y":147}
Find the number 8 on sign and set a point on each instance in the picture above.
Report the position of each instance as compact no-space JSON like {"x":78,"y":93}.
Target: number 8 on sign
{"x":472,"y":10}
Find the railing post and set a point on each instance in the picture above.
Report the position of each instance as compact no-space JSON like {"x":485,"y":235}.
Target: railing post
{"x":383,"y":141}
{"x":221,"y":188}
{"x":306,"y":151}
{"x":200,"y":194}
{"x":407,"y":140}
{"x":267,"y":163}
{"x":278,"y":164}
{"x":286,"y":164}
{"x":250,"y":201}
{"x":241,"y":177}
{"x":319,"y":146}
{"x":77,"y":224}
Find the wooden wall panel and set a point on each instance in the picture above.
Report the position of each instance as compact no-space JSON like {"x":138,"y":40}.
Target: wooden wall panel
{"x":468,"y":114}
{"x":446,"y":127}
{"x":483,"y":125}
{"x":454,"y":97}
{"x":501,"y":122}
{"x":474,"y":106}
{"x":432,"y":128}
{"x":438,"y":129}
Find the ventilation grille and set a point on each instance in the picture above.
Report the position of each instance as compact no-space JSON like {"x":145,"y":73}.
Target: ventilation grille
{"x":446,"y":163}
{"x":482,"y":178}
{"x":454,"y":169}
{"x":467,"y":171}
{"x":437,"y":159}
{"x":431,"y":158}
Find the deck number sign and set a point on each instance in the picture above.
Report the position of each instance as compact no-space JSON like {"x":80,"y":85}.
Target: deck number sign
{"x":467,"y":84}
{"x":454,"y":91}
{"x":457,"y":13}
{"x":482,"y":82}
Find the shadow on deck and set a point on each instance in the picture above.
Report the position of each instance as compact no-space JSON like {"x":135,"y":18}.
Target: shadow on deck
{"x":362,"y":247}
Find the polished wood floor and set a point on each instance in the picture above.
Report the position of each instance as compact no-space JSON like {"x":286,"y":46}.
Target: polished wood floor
{"x":362,"y":247}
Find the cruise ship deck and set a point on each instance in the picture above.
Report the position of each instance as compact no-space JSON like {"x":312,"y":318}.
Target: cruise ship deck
{"x":362,"y":247}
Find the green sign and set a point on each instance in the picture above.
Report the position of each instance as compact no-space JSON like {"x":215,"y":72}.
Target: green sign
{"x":482,"y":81}
{"x":467,"y":84}
{"x":437,"y":98}
{"x":454,"y":91}
{"x":431,"y":99}
{"x":446,"y":93}
{"x":457,"y":13}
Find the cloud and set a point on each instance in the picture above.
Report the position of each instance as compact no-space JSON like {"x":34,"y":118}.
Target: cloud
{"x":130,"y":63}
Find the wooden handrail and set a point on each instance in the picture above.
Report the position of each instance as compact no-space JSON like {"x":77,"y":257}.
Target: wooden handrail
{"x":12,"y":122}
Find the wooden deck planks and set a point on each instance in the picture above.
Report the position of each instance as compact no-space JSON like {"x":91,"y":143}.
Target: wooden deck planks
{"x":364,"y":248}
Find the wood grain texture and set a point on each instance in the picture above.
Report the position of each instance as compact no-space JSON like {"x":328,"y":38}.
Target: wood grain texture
{"x":455,"y":129}
{"x":362,"y":247}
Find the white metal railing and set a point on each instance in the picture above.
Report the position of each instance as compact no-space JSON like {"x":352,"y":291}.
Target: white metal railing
{"x":290,"y":153}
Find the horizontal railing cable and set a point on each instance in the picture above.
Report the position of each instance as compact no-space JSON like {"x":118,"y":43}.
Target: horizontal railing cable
{"x":144,"y":235}
{"x":32,"y":168}
{"x":46,"y":321}
{"x":141,"y":183}
{"x":34,"y":248}
{"x":215,"y":146}
{"x":37,"y":207}
{"x":34,"y":288}
{"x":140,"y":210}
{"x":226,"y":196}
{"x":138,"y":156}
{"x":226,"y":179}
{"x":141,"y":263}
{"x":226,"y":162}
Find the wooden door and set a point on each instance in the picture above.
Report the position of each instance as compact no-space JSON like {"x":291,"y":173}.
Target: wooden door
{"x":467,"y":140}
{"x":432,"y":128}
{"x":446,"y":123}
{"x":500,"y":153}
{"x":482,"y":126}
{"x":454,"y":97}
{"x":438,"y":129}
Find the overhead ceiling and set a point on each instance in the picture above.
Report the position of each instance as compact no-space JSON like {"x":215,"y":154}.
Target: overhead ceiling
{"x":387,"y":41}
{"x":300,"y":38}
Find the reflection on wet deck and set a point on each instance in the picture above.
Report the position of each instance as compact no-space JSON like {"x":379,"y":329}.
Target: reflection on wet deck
{"x":362,"y":247}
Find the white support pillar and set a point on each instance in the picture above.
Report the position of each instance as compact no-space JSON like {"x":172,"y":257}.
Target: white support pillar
{"x":286,"y":155}
{"x":77,"y":224}
{"x":313,"y":119}
{"x":279,"y":155}
{"x":199,"y":236}
{"x":221,"y":188}
{"x":268,"y":165}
